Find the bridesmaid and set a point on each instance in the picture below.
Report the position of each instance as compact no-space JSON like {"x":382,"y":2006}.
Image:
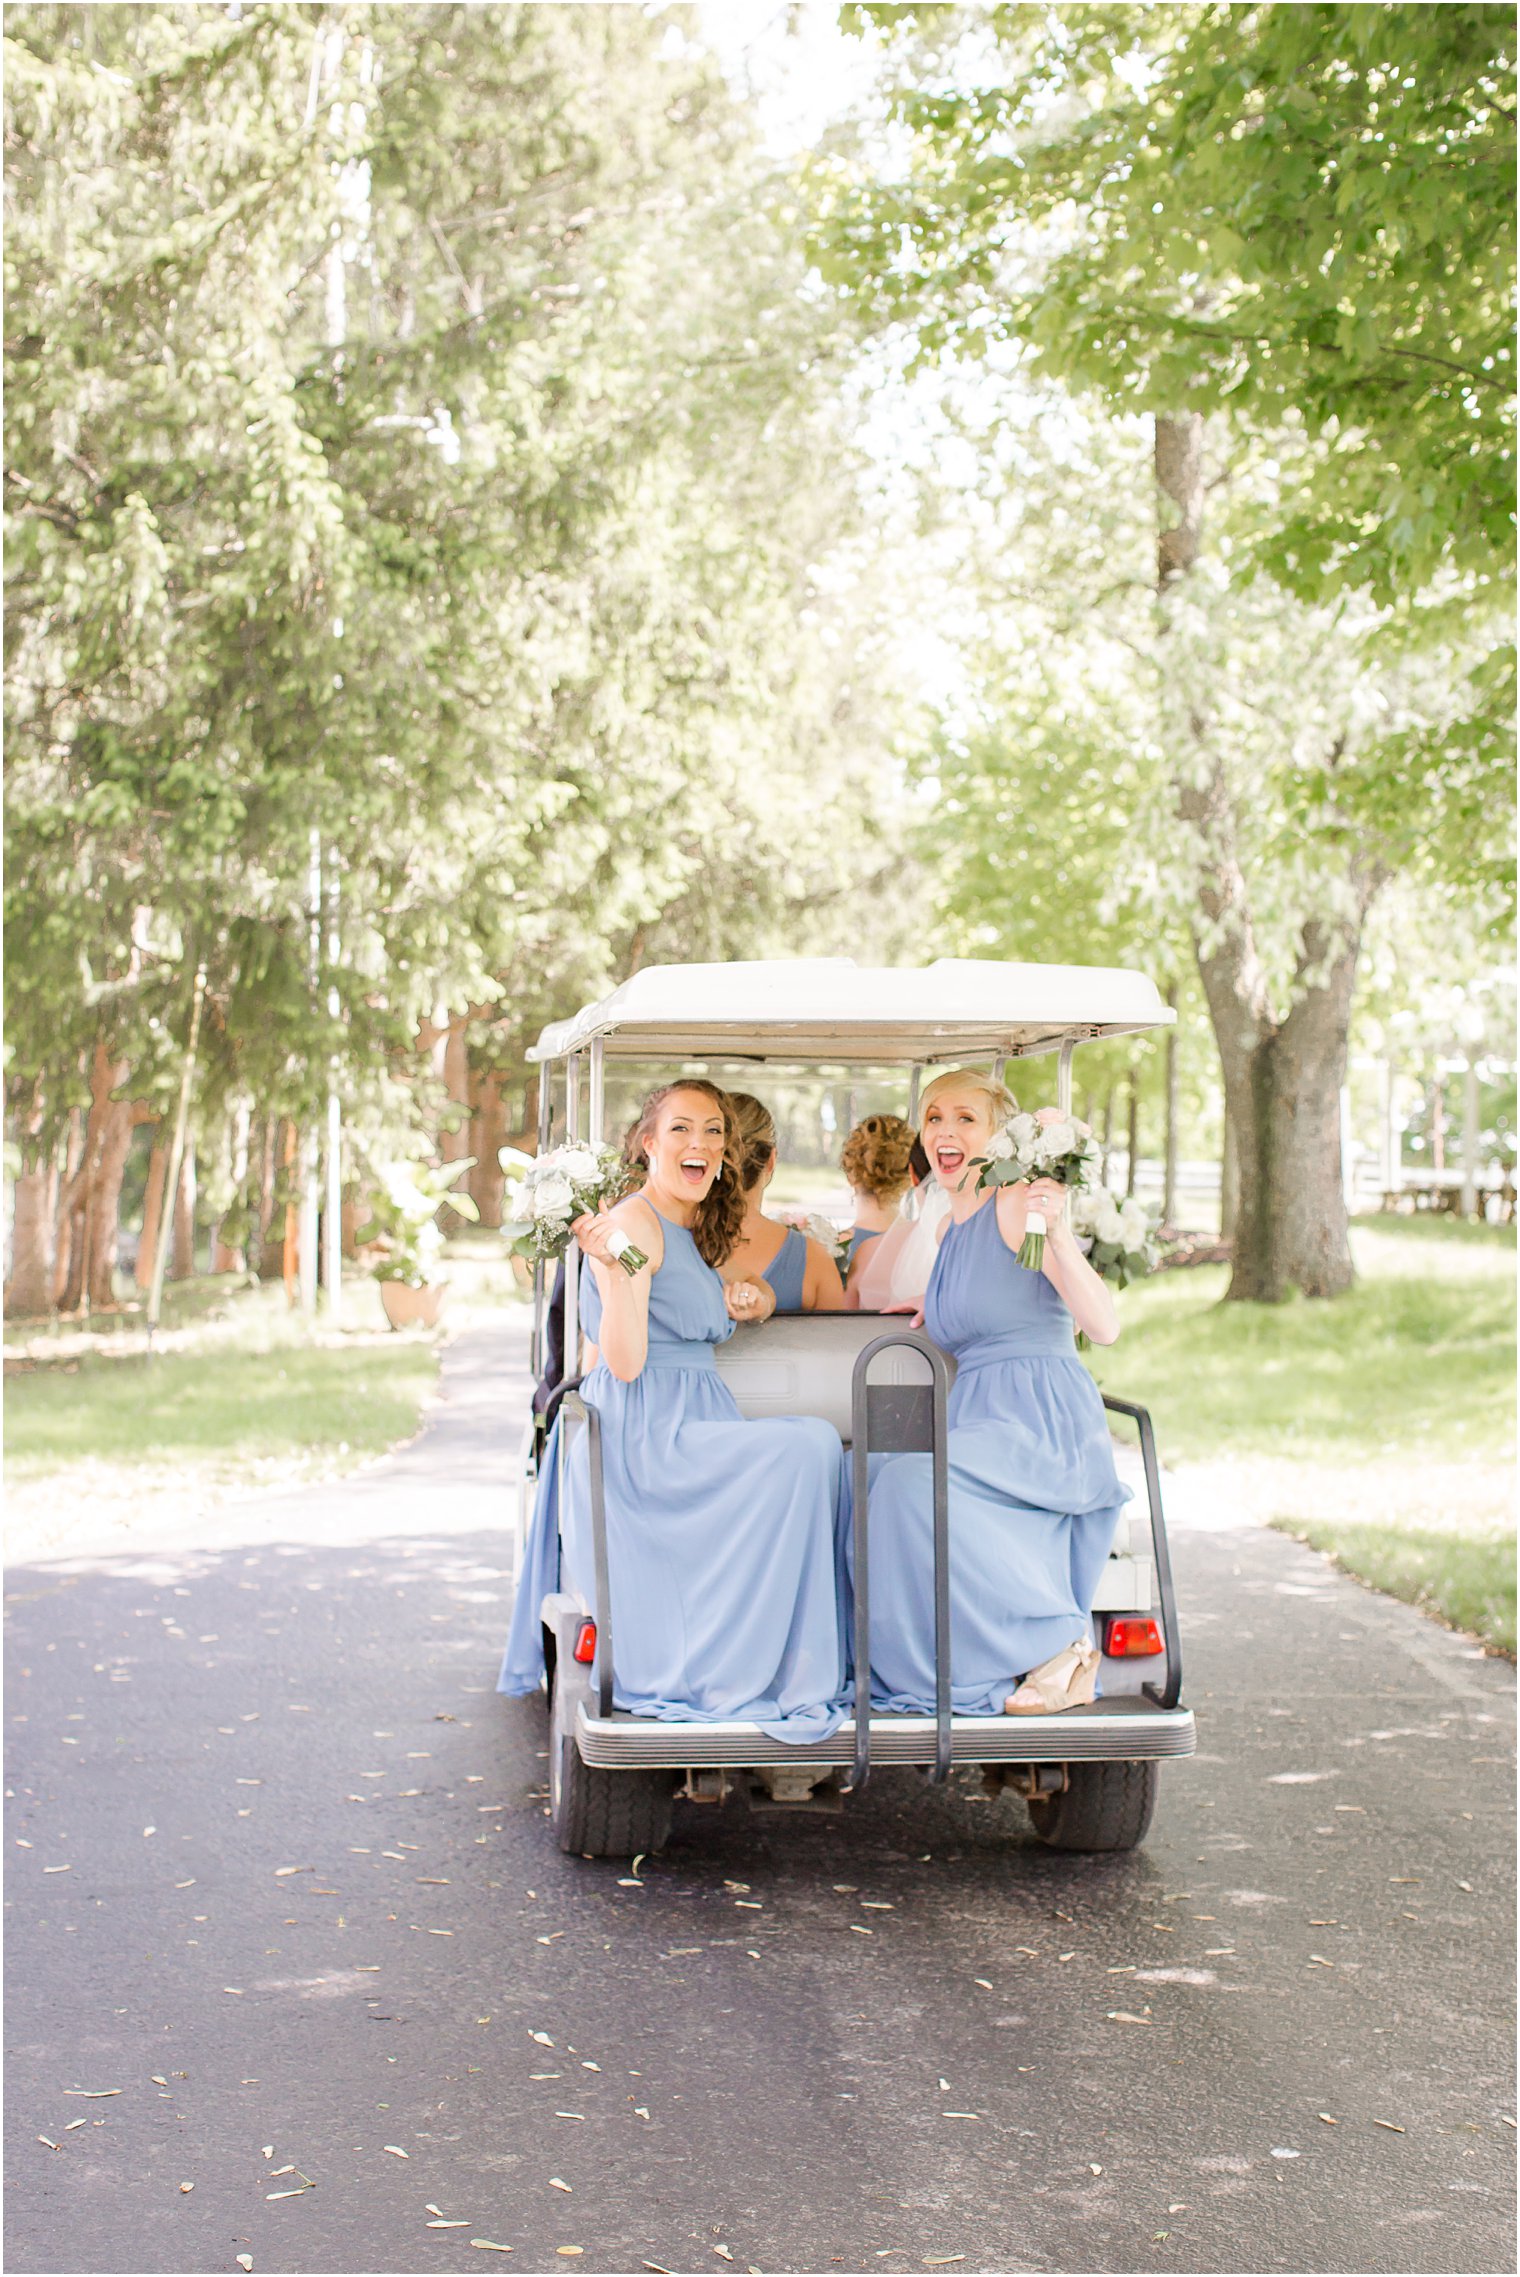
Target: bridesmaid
{"x":720,"y":1532}
{"x":1034,"y":1497}
{"x":797,"y":1268}
{"x":875,"y":1161}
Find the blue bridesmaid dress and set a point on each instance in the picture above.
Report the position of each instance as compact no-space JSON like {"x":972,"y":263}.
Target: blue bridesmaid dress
{"x":787,"y":1271}
{"x":720,"y":1532}
{"x":1034,"y":1496}
{"x":858,"y":1239}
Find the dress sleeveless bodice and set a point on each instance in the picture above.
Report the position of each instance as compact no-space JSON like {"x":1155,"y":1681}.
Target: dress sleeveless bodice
{"x":983,"y":1305}
{"x":787,"y":1271}
{"x":687,"y":1315}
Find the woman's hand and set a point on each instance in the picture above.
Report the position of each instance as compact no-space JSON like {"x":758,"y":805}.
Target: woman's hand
{"x":749,"y":1300}
{"x":1049,"y":1198}
{"x":593,"y":1231}
{"x":908,"y":1305}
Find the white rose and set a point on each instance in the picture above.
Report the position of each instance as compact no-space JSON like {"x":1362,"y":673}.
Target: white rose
{"x":1022,"y":1129}
{"x":1136,"y":1222}
{"x":552,"y":1196}
{"x":999,"y":1147}
{"x":1085,"y":1203}
{"x":578,"y":1164}
{"x":1058,"y":1139}
{"x":1108,"y":1225}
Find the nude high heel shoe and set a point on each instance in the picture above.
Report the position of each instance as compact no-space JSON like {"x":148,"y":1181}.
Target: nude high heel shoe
{"x":1069,"y":1680}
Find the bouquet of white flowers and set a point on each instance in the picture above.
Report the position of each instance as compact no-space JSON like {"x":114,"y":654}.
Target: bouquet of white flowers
{"x":1046,"y":1145}
{"x":819,"y":1228}
{"x":554,"y":1189}
{"x":1119,"y":1238}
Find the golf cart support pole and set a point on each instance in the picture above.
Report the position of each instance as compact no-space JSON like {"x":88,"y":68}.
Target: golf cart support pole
{"x":905,"y":1419}
{"x":579,"y":1411}
{"x":1171,"y":1692}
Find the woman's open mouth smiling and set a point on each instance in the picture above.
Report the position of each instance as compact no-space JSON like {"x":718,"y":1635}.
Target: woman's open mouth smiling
{"x":949,"y":1158}
{"x":694,"y":1169}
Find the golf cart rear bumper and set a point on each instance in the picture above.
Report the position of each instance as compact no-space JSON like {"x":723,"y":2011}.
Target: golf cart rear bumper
{"x":1128,"y":1729}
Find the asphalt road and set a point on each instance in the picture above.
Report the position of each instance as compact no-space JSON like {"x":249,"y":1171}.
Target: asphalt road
{"x":1274,"y":2039}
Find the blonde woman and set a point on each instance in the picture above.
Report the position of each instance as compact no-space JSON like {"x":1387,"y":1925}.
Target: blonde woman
{"x":1034,"y":1497}
{"x":796,"y":1268}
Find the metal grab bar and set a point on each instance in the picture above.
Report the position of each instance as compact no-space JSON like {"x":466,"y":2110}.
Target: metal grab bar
{"x":578,"y":1410}
{"x":1170,"y":1693}
{"x":903,"y":1416}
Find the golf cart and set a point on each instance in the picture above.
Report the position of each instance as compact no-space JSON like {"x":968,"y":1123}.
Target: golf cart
{"x":1087,"y":1775}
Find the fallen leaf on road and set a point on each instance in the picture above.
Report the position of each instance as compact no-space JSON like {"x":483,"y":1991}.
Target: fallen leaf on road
{"x":158,"y":2079}
{"x":570,"y":2115}
{"x":1329,"y":2122}
{"x":92,"y":2094}
{"x":1124,"y":2016}
{"x":1388,"y":2123}
{"x":586,"y":2065}
{"x":723,"y":2253}
{"x":637,"y":1862}
{"x":236,"y":1990}
{"x":659,"y":2267}
{"x":1179,"y":2208}
{"x":69,"y":1870}
{"x":47,"y":2144}
{"x":245,"y":2261}
{"x":569,"y":2249}
{"x":395,"y":2150}
{"x":986,"y":1985}
{"x":73,"y":2123}
{"x":268,"y":2151}
{"x":185,"y":2189}
{"x":940,"y":2260}
{"x":271,"y":2195}
{"x":542,"y":2038}
{"x":556,"y":2184}
{"x":1093,"y":2169}
{"x":64,"y":1869}
{"x":441,"y":2225}
{"x":489,"y":2245}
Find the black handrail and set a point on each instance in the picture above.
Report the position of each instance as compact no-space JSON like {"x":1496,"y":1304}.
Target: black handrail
{"x":581,"y":1411}
{"x":1171,"y":1692}
{"x":860,"y":1432}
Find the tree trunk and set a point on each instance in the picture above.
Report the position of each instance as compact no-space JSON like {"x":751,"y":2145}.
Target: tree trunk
{"x":153,"y":1210}
{"x":93,"y":1193}
{"x":1282,"y":1075}
{"x":1291,"y":1229}
{"x":64,"y":1242}
{"x":488,"y":1134}
{"x":1106,"y":1139}
{"x":30,"y":1288}
{"x":1438,"y":1122}
{"x":184,"y":1218}
{"x":1169,"y":1178}
{"x":1133,"y":1135}
{"x":103,"y":1213}
{"x":269,"y":1247}
{"x":1229,"y":1180}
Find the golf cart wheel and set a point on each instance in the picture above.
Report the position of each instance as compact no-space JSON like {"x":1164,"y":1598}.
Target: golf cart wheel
{"x":603,"y":1814}
{"x":1106,"y":1806}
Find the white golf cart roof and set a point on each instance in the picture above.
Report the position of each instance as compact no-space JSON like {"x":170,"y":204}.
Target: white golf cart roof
{"x":831,"y":1009}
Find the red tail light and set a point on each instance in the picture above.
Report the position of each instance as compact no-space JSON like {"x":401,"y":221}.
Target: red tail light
{"x":585,"y":1643}
{"x":1133,"y":1640}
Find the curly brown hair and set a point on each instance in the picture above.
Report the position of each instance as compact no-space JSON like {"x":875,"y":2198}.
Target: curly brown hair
{"x":755,"y":1131}
{"x":720,"y":1213}
{"x":876,"y":1154}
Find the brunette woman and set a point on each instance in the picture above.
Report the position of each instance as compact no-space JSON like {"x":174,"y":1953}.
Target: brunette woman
{"x":798,"y":1269}
{"x":720,"y":1532}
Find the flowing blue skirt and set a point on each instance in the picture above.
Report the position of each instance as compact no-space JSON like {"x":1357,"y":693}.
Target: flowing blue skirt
{"x":1034,"y":1501}
{"x":721,"y":1540}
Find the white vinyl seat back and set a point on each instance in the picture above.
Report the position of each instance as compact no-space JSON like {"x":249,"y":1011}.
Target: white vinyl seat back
{"x":804,"y":1363}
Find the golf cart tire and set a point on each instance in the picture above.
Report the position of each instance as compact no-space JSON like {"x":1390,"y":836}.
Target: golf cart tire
{"x":604,"y":1814}
{"x":1106,"y":1806}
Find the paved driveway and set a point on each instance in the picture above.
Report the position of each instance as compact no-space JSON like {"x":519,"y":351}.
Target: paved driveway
{"x":286,"y":1925}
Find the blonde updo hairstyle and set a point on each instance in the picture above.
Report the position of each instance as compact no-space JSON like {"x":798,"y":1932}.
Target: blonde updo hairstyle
{"x":876,"y":1155}
{"x":720,"y":1213}
{"x":754,"y":1136}
{"x":980,"y":1084}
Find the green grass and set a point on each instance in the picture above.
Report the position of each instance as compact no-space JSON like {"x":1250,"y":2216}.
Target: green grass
{"x":1395,"y":1400}
{"x":1466,"y":1580}
{"x":221,"y":1405}
{"x":236,"y":1382}
{"x":1417,"y":1359}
